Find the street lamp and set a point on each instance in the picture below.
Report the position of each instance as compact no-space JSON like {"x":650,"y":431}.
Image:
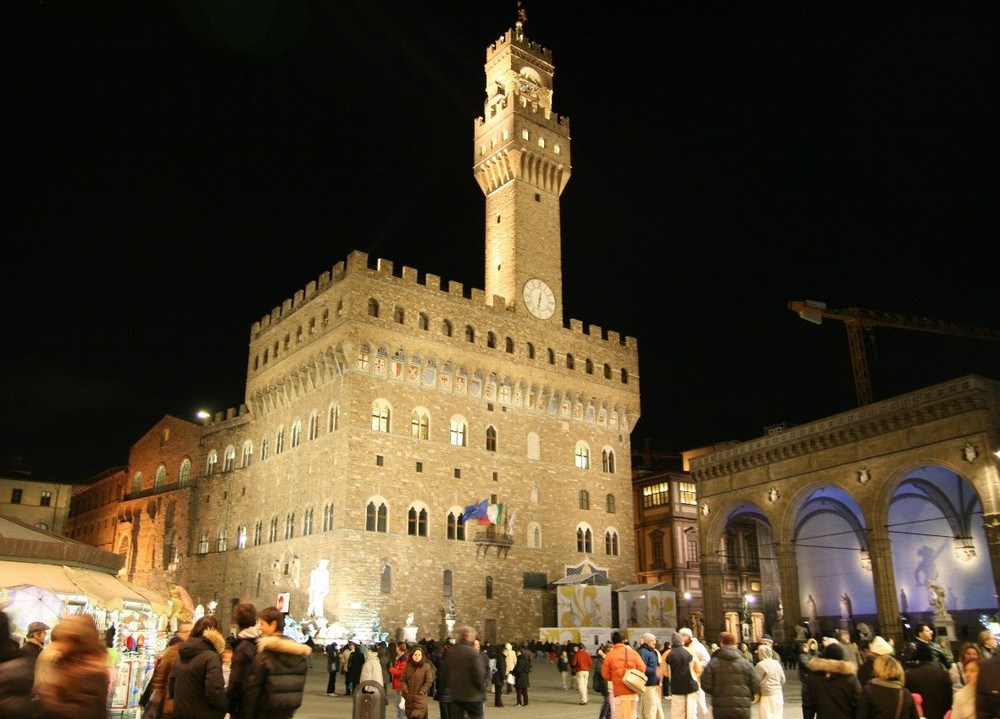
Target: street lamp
{"x":687,"y":598}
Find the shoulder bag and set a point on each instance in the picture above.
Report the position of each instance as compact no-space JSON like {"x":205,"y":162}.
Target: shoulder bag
{"x":633,"y":678}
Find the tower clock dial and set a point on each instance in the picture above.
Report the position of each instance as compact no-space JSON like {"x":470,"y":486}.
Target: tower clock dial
{"x":539,"y":299}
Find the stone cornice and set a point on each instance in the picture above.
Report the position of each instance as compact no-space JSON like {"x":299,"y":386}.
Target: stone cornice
{"x":949,"y":399}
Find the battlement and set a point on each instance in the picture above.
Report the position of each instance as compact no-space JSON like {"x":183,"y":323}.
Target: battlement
{"x":543,"y":116}
{"x":510,"y":38}
{"x":360,"y":264}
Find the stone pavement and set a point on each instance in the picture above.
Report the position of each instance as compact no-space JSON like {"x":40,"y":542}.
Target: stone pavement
{"x":546,"y":699}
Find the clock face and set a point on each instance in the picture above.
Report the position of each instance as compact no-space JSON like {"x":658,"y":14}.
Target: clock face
{"x":539,"y":299}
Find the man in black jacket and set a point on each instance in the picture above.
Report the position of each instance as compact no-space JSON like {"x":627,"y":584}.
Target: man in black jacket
{"x":463,"y":674}
{"x":244,"y":646}
{"x":277,"y":673}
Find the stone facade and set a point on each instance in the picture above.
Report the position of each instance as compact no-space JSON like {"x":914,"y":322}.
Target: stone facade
{"x":380,"y":404}
{"x":40,"y":503}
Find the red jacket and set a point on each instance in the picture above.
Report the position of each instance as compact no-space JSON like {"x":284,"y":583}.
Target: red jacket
{"x":581,"y":660}
{"x":620,"y":658}
{"x":396,"y":671}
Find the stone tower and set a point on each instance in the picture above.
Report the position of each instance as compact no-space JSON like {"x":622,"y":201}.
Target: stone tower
{"x":522,"y":164}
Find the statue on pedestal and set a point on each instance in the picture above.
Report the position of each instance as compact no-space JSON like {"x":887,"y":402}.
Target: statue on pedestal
{"x":937,"y":598}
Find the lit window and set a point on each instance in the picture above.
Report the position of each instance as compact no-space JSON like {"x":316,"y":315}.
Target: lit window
{"x":334,"y":422}
{"x":608,"y":461}
{"x":203,"y":543}
{"x":457,"y":432}
{"x":380,"y":416}
{"x":297,"y":433}
{"x":419,"y":425}
{"x":46,"y":500}
{"x":541,"y":142}
{"x":230,"y":461}
{"x":161,"y":478}
{"x":241,"y":537}
{"x":688,"y":494}
{"x":328,"y":518}
{"x":213,"y":460}
{"x":582,"y":456}
{"x":247,"y":453}
{"x":185,"y":474}
{"x":279,"y":441}
{"x":656,"y":495}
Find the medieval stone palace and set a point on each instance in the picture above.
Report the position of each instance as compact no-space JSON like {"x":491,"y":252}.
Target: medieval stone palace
{"x":381,"y":407}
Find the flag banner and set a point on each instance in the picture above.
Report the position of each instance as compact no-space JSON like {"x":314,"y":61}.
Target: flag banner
{"x":476,"y":511}
{"x":495,"y":513}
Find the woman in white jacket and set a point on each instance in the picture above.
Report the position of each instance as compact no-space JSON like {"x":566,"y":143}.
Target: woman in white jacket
{"x":772,"y":681}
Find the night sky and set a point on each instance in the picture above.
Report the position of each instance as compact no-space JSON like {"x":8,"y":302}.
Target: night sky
{"x":173,"y":171}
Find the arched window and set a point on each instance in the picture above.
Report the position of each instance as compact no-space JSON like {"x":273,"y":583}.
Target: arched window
{"x":229,"y":463}
{"x":241,"y":537}
{"x":611,"y":543}
{"x":609,"y":504}
{"x":470,"y":334}
{"x":279,"y":441}
{"x":257,"y":531}
{"x":458,"y":428}
{"x":372,"y":308}
{"x":589,"y":366}
{"x":328,"y":518}
{"x":570,"y":362}
{"x":607,"y":371}
{"x":608,"y":461}
{"x":203,"y":543}
{"x":489,"y":587}
{"x":213,"y":461}
{"x":297,"y":433}
{"x":447,"y":582}
{"x":376,"y":519}
{"x":385,"y":585}
{"x":137,"y":483}
{"x":508,"y":346}
{"x":307,"y":522}
{"x":446,"y":328}
{"x":398,"y":315}
{"x":334,"y":422}
{"x":530,"y":350}
{"x":247,"y":454}
{"x":584,"y":499}
{"x":161,"y":478}
{"x":264,"y":448}
{"x":313,"y":425}
{"x":456,"y":526}
{"x":624,"y":376}
{"x":423,"y":321}
{"x":380,"y":416}
{"x":290,"y":525}
{"x":185,"y":473}
{"x":272,"y":533}
{"x":491,"y":340}
{"x":416,"y":522}
{"x":222,"y":542}
{"x":536,"y":537}
{"x":552,"y":355}
{"x":582,"y":456}
{"x":491,"y":439}
{"x":584,"y":540}
{"x":420,"y":424}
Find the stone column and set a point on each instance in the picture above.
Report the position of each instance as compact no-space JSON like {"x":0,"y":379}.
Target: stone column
{"x":884,"y":580}
{"x":991,"y":527}
{"x":711,"y":592}
{"x":788,"y":576}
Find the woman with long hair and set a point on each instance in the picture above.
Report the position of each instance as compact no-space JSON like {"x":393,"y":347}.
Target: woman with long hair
{"x":884,"y":696}
{"x":415,"y":684}
{"x":71,"y":674}
{"x":969,"y":653}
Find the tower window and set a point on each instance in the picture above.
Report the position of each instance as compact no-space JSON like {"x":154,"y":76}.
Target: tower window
{"x":524,"y":134}
{"x":538,"y":197}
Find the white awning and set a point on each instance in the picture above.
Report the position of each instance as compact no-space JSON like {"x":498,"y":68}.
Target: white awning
{"x":658,"y":587}
{"x":588,"y":578}
{"x":105,"y":590}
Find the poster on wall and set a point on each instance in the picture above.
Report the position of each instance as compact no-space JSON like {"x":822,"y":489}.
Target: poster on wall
{"x":283,"y":602}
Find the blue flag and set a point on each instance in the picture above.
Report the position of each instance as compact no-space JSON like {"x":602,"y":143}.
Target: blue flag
{"x":477,"y":511}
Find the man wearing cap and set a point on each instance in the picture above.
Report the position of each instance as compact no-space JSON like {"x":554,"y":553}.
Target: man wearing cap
{"x":35,"y":641}
{"x":877,"y":648}
{"x":697,"y":649}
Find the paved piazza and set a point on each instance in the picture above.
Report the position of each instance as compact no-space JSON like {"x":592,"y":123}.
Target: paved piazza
{"x":545,"y":696}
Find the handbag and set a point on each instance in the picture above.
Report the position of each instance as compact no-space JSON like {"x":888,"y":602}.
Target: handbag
{"x":633,"y":678}
{"x":510,"y":679}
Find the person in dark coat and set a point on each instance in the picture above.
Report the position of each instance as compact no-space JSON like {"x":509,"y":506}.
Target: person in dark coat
{"x":730,"y":680}
{"x":463,"y":675}
{"x":415,"y":684}
{"x":332,"y":668}
{"x":498,"y":679}
{"x":931,"y":681}
{"x":244,"y":646}
{"x":354,"y":667}
{"x":600,"y":684}
{"x":196,"y":683}
{"x":441,"y":692}
{"x":17,"y":673}
{"x":521,"y":672}
{"x":884,"y":696}
{"x":277,"y":673}
{"x":834,"y":691}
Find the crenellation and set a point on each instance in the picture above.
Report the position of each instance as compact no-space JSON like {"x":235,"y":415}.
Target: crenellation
{"x":297,"y":299}
{"x":338,"y":271}
{"x":409,"y":275}
{"x":433,"y":282}
{"x":478,"y":296}
{"x":285,"y":308}
{"x":383,"y":267}
{"x":576,"y":325}
{"x":310,"y":290}
{"x":324,"y":281}
{"x":455,"y":288}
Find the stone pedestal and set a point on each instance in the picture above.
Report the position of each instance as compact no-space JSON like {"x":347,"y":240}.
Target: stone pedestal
{"x":410,"y":634}
{"x":944,"y":627}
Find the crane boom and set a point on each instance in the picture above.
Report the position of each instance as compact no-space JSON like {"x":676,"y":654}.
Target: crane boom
{"x":856,"y":319}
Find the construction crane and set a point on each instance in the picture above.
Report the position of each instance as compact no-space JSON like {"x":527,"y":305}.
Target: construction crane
{"x":856,"y":319}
